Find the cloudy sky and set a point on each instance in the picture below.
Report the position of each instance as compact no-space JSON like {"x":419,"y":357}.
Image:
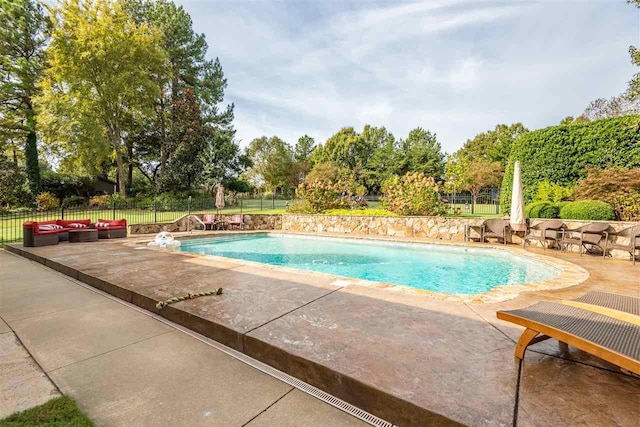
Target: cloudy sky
{"x":456,"y":68}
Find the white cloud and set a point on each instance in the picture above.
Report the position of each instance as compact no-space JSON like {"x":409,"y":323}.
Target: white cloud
{"x":456,"y":68}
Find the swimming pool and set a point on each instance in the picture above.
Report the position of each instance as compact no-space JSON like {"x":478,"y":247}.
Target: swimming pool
{"x":439,"y":268}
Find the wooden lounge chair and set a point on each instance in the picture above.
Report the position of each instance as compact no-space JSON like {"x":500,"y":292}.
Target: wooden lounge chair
{"x":632,"y":235}
{"x":550,"y":231}
{"x":495,"y":227}
{"x":603,"y":324}
{"x":588,"y":236}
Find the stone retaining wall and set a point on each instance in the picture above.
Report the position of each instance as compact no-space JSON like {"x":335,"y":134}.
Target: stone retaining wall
{"x":186,"y":223}
{"x":442,"y":228}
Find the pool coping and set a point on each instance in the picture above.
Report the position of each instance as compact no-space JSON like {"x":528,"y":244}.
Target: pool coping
{"x":570,"y":273}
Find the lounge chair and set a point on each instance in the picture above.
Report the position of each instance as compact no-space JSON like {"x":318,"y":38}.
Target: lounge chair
{"x":237,"y":220}
{"x":603,"y":324}
{"x":550,"y":231}
{"x":494,"y":228}
{"x":632,"y":234}
{"x":588,"y":236}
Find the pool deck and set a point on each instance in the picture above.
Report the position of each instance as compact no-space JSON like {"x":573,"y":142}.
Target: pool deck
{"x":411,"y":359}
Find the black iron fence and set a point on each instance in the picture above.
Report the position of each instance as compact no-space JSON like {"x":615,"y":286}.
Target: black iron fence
{"x":143,"y":211}
{"x":485,"y":204}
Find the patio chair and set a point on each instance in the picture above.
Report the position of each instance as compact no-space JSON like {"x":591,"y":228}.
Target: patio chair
{"x":237,"y":220}
{"x":603,"y":324}
{"x":588,"y":236}
{"x":550,"y":231}
{"x":632,"y":235}
{"x":495,"y":227}
{"x":210,"y":220}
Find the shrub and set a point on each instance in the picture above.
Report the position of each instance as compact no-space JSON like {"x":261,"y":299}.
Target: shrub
{"x":552,"y":192}
{"x":562,"y":154}
{"x":587,"y":210}
{"x":102,"y":201}
{"x":321,"y":196}
{"x":367,"y":212}
{"x":14,"y":190}
{"x":47,"y":201}
{"x":300,"y":206}
{"x":627,"y":206}
{"x":542,"y":210}
{"x":73,"y":201}
{"x":412,"y":194}
{"x":618,"y":187}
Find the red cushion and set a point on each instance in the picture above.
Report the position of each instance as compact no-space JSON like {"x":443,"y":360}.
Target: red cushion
{"x":115,"y":222}
{"x":68,"y":222}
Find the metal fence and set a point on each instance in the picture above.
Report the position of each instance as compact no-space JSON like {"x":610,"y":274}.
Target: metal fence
{"x":486,"y":203}
{"x":144,"y":211}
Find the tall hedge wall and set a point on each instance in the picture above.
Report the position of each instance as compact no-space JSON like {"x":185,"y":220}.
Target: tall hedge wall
{"x":561,"y":154}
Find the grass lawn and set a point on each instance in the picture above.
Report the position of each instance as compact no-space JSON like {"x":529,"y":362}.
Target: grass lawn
{"x":59,"y":412}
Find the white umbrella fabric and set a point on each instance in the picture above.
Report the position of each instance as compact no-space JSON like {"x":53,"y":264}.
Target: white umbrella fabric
{"x":517,"y":219}
{"x":220,"y":197}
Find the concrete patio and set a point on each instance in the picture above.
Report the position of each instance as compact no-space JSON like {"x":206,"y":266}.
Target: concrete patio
{"x":124,"y":367}
{"x":409,"y":359}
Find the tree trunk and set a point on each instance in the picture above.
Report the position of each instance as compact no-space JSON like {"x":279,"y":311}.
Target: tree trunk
{"x":130,"y":165}
{"x":116,"y":142}
{"x":122,"y":185}
{"x":31,"y":155}
{"x":475,"y":198}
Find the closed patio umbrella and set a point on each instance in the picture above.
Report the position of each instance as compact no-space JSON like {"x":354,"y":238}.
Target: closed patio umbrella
{"x":220,"y":197}
{"x":517,"y":219}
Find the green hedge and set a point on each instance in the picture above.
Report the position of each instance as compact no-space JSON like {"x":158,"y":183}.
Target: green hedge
{"x":560,"y":154}
{"x":588,"y":210}
{"x":542,"y":210}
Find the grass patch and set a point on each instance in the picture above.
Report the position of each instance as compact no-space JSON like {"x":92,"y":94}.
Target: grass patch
{"x":360,"y":212}
{"x":59,"y":412}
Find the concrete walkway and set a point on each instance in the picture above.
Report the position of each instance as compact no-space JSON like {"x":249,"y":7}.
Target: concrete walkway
{"x":124,"y":367}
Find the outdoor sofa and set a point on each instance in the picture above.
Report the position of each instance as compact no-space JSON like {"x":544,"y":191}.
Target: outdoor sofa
{"x":43,"y":233}
{"x":111,"y":228}
{"x":603,"y":324}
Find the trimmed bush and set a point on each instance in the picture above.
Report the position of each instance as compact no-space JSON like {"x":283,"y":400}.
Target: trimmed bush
{"x":546,"y":210}
{"x":562,"y":154}
{"x":588,"y":210}
{"x":47,"y":201}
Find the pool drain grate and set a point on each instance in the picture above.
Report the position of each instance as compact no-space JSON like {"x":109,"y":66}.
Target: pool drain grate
{"x":263,"y":367}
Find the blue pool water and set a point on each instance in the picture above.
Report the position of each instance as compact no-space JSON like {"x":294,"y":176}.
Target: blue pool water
{"x":439,"y":268}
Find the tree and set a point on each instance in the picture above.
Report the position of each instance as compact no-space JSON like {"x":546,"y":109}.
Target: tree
{"x":494,"y":145}
{"x":23,"y":36}
{"x":422,"y":153}
{"x":190,"y":70}
{"x":105,"y":73}
{"x":188,"y":142}
{"x":302,"y":151}
{"x":272,"y":160}
{"x":482,"y":174}
{"x":633,"y":90}
{"x":616,"y":106}
{"x":304,"y":148}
